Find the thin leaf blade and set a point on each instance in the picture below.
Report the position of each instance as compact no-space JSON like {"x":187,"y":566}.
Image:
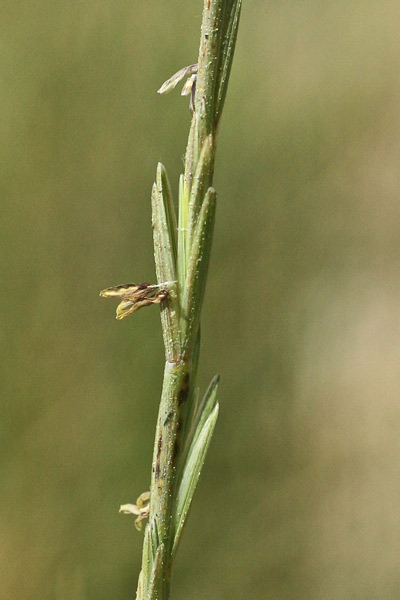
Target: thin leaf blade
{"x":231,"y":23}
{"x":164,"y":237}
{"x":155,"y":586}
{"x":201,"y":412}
{"x":199,"y":259}
{"x":191,"y":473}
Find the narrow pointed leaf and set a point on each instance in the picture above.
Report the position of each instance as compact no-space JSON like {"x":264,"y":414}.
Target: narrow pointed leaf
{"x":164,"y":238}
{"x":200,"y":412}
{"x":197,"y":269}
{"x":182,"y":229}
{"x":204,"y":410}
{"x":191,"y":473}
{"x":164,"y":233}
{"x":156,"y":575}
{"x":201,"y":182}
{"x":164,"y":189}
{"x":231,"y":24}
{"x":151,"y":550}
{"x":154,"y":538}
{"x":140,"y":590}
{"x":147,"y":561}
{"x":192,"y":151}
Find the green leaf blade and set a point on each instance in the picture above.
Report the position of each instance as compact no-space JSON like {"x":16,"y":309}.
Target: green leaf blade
{"x":230,"y":24}
{"x":201,"y":412}
{"x":182,"y":229}
{"x":164,"y":188}
{"x":198,"y":263}
{"x":192,"y":469}
{"x":165,"y":249}
{"x":156,"y":579}
{"x":201,"y":181}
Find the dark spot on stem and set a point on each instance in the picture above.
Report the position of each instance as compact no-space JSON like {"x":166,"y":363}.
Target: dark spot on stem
{"x":182,"y":397}
{"x":159,"y":444}
{"x":168,"y":419}
{"x":175,"y":451}
{"x":184,"y":391}
{"x":157,"y":469}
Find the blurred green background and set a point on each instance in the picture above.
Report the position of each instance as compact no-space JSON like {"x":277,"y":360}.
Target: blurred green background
{"x":301,"y":489}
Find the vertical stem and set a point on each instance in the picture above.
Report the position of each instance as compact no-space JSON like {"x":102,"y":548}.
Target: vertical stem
{"x":182,"y":260}
{"x":166,"y":447}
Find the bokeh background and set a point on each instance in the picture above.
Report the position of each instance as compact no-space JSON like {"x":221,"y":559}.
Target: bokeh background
{"x":300,"y":493}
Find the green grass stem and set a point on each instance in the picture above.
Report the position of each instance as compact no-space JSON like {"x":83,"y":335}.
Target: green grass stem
{"x":182,"y":247}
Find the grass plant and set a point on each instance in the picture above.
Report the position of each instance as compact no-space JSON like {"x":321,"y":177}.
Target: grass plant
{"x":182,"y":245}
